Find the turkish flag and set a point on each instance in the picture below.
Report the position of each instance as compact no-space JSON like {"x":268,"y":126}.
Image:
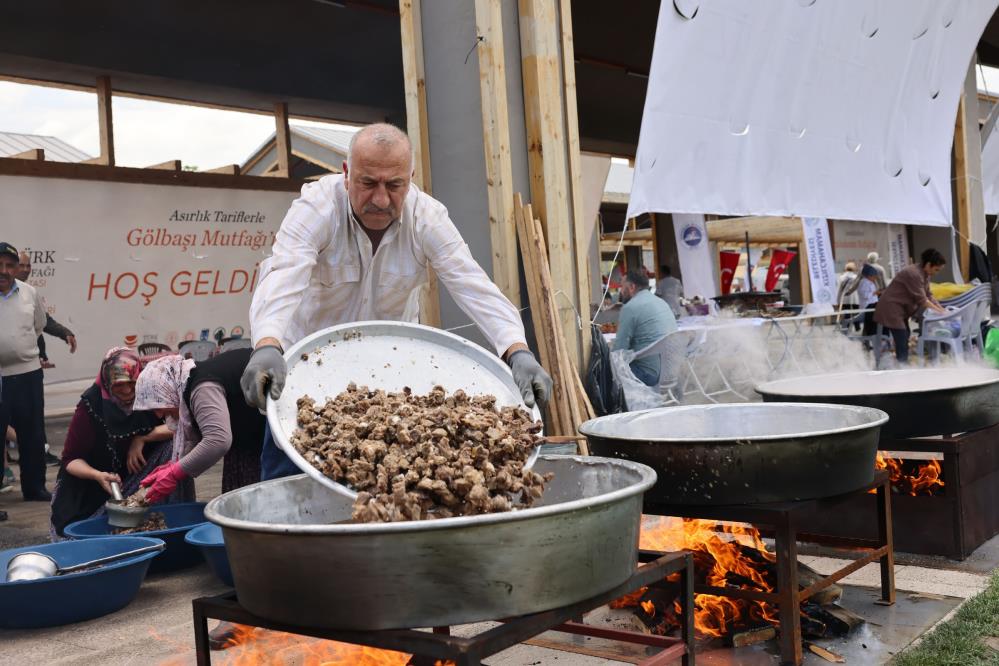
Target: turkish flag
{"x":729,"y":262}
{"x":779,"y":259}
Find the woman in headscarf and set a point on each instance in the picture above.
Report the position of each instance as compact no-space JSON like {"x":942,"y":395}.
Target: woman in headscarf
{"x":107,"y":441}
{"x":213,"y":420}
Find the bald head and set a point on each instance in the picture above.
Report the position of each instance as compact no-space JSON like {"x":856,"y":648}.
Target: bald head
{"x":23,"y":266}
{"x":380,"y":138}
{"x":377,"y":173}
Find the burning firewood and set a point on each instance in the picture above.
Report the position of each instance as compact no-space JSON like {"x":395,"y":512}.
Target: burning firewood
{"x":751,"y":635}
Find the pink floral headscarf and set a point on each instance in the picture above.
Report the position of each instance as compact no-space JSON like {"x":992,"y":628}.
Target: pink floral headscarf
{"x":161,"y":385}
{"x":119,"y":364}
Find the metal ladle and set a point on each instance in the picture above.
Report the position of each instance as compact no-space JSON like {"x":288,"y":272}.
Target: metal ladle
{"x":34,"y":566}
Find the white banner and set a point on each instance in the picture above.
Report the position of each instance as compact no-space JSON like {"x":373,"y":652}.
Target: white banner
{"x":853,"y":241}
{"x":838,"y":109}
{"x":821,"y":268}
{"x":697,"y":266}
{"x":123,"y":264}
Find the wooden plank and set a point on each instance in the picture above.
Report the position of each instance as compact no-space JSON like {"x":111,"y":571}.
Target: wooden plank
{"x":581,"y":226}
{"x":231,"y":169}
{"x":414,"y":79}
{"x":169,"y":165}
{"x":806,"y":279}
{"x":547,"y":153}
{"x":105,"y":123}
{"x":531,"y":268}
{"x":32,"y":154}
{"x":282,"y":140}
{"x":83,"y":171}
{"x":496,"y":144}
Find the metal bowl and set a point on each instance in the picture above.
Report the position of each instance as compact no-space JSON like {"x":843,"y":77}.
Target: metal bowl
{"x":744,"y":453}
{"x":387,"y":355}
{"x":294,"y":561}
{"x":920,"y":402}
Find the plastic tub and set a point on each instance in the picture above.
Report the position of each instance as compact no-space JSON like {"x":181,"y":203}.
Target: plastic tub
{"x":180,"y":518}
{"x":74,"y":597}
{"x":208,"y":539}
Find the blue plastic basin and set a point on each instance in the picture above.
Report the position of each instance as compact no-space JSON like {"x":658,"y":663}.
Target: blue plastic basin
{"x":180,"y":518}
{"x":74,"y":597}
{"x":208,"y":538}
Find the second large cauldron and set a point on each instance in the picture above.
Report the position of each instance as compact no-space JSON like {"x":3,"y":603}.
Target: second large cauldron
{"x":744,"y":453}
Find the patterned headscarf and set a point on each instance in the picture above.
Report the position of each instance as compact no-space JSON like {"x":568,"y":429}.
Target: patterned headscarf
{"x":120,"y":364}
{"x":161,"y":385}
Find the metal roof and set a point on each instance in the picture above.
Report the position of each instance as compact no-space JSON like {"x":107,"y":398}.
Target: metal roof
{"x":56,"y":150}
{"x":323,"y":146}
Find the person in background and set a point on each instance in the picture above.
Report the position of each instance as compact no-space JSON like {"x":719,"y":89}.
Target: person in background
{"x":670,"y":289}
{"x":107,"y":441}
{"x":22,"y":403}
{"x":213,"y":420}
{"x":846,"y":282}
{"x":52,"y":327}
{"x":644,"y":319}
{"x":881,"y":278}
{"x":867,"y":298}
{"x":907,"y":296}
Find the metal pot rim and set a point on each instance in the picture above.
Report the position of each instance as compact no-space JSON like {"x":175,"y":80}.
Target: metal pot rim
{"x":875,"y":418}
{"x":647,"y":480}
{"x":774,"y":387}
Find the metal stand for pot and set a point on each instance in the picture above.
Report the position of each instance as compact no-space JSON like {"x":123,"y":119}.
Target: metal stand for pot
{"x":788,"y":522}
{"x":428,"y":648}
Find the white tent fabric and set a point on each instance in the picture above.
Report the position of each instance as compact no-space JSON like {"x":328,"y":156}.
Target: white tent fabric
{"x":840,"y":109}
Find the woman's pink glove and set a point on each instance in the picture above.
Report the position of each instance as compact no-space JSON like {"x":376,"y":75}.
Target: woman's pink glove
{"x":162,"y":481}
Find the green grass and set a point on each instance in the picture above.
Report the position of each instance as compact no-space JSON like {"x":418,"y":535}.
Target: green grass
{"x":958,"y":641}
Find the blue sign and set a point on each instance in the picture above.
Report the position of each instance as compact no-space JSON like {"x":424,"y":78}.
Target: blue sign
{"x":692,"y":235}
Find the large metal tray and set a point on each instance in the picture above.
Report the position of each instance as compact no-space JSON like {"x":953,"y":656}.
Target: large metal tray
{"x":385,"y":355}
{"x":744,"y":453}
{"x":294,"y":560}
{"x":920,"y":402}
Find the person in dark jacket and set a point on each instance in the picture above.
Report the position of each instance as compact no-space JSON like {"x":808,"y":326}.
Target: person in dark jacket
{"x":213,"y":421}
{"x":52,"y":327}
{"x":907,"y":296}
{"x":107,"y":441}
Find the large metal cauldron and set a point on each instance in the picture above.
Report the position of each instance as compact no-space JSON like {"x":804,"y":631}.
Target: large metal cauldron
{"x":744,"y":453}
{"x":290,"y":564}
{"x":920,"y":402}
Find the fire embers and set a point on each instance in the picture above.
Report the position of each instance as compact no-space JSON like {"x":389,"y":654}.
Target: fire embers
{"x":912,"y":477}
{"x":418,"y":457}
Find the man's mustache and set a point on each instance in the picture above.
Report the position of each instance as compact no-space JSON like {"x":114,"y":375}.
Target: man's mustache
{"x":378,"y":210}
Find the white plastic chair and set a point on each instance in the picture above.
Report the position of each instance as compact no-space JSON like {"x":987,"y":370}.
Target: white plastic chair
{"x":672,"y":351}
{"x":235,"y":343}
{"x":937,"y":330}
{"x":199,"y":350}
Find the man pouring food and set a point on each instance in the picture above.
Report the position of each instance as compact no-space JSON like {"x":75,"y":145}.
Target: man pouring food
{"x":356,"y":247}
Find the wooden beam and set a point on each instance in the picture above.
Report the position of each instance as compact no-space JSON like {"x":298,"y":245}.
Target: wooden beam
{"x":581,"y":226}
{"x":806,"y":279}
{"x":496,"y":144}
{"x":169,"y":165}
{"x":231,"y":169}
{"x":282,"y":140}
{"x":547,"y":156}
{"x":33,"y":154}
{"x":105,"y":123}
{"x":414,"y":79}
{"x":970,"y":209}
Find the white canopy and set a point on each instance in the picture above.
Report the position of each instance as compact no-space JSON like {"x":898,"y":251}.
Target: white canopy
{"x":842,"y":109}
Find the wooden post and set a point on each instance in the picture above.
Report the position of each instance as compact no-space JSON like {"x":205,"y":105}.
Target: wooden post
{"x":581,"y":226}
{"x":169,"y":165}
{"x":104,"y":121}
{"x":496,"y":143}
{"x":230,"y":169}
{"x":282,"y":141}
{"x":806,"y":279}
{"x":547,"y":156}
{"x":37,"y":154}
{"x":414,"y":78}
{"x":970,"y":211}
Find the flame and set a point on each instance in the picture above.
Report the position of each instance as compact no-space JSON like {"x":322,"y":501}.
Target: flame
{"x":649,"y":608}
{"x":924,"y":481}
{"x":729,"y":566}
{"x":253,"y":646}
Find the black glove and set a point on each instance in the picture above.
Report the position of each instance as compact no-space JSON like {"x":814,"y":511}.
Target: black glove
{"x":266,"y":366}
{"x":534,"y":383}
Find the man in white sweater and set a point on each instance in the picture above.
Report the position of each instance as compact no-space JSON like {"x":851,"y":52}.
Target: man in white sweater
{"x":22,"y":318}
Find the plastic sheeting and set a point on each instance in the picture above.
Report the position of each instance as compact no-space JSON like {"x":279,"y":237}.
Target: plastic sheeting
{"x":842,"y":109}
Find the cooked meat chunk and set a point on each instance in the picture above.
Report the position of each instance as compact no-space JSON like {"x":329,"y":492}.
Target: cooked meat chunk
{"x":413,"y":457}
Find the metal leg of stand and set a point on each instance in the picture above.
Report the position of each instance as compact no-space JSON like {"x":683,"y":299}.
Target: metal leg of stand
{"x":202,"y":649}
{"x":787,"y":589}
{"x":687,"y":610}
{"x":886,"y":538}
